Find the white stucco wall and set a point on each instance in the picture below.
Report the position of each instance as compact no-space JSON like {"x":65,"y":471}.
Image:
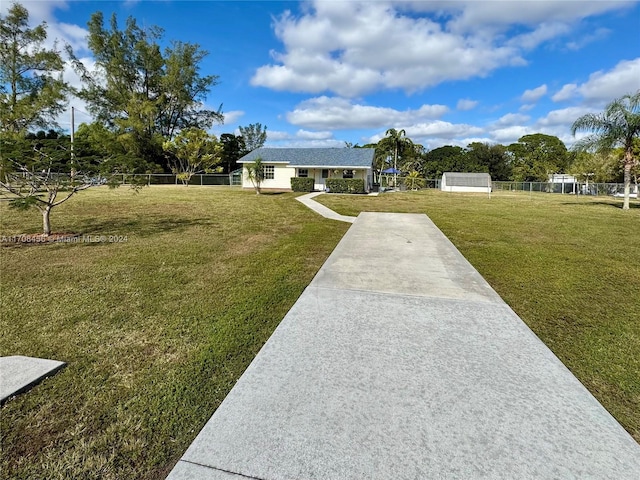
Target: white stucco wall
{"x":284,"y":173}
{"x":281,"y":179}
{"x":444,"y":188}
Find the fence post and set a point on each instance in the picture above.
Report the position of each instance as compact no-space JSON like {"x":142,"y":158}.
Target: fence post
{"x":201,"y":179}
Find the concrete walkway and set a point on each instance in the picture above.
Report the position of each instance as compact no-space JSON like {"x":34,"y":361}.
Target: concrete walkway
{"x":400,"y":362}
{"x":308,"y":201}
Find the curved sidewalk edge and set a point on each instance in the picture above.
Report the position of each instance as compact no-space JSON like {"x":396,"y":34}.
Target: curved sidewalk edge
{"x":399,"y":361}
{"x":308,"y":201}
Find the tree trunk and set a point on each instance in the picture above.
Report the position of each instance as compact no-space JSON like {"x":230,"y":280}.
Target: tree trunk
{"x":628,"y":161}
{"x":46,"y":223}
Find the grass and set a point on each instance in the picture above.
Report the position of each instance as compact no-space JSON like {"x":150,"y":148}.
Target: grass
{"x":568,"y":266}
{"x":155,"y":329}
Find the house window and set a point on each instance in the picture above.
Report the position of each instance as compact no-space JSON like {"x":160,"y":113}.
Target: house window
{"x":269,"y":172}
{"x":303,"y":172}
{"x":325,"y":173}
{"x":347,"y":174}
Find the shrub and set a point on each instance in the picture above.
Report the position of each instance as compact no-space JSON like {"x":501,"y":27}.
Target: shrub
{"x":345,"y":185}
{"x":302,"y":184}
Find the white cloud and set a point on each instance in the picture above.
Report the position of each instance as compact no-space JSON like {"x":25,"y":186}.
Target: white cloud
{"x":565,"y":93}
{"x":58,"y":34}
{"x":333,"y":113}
{"x":602,"y":87}
{"x":509,"y":135}
{"x":466,"y":104}
{"x":352,"y":48}
{"x":276,"y":135}
{"x":534,"y":94}
{"x":544,"y":32}
{"x":500,"y":15}
{"x":511,"y":119}
{"x":308,"y":135}
{"x":232,"y":116}
{"x":39,"y":11}
{"x":73,"y":35}
{"x":302,"y":139}
{"x":356,"y":47}
{"x":598,"y":34}
{"x":563,"y":117}
{"x":436,"y":132}
{"x":441,"y":129}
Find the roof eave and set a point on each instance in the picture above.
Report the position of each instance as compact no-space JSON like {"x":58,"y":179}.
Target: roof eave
{"x":332,"y":167}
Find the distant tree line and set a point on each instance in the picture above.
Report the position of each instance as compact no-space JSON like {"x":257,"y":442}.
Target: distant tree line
{"x":533,"y":158}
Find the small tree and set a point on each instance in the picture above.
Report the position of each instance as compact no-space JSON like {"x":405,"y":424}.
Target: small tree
{"x":618,"y":125}
{"x":255,"y":173}
{"x":414,"y":181}
{"x":193,"y":151}
{"x":35,"y":177}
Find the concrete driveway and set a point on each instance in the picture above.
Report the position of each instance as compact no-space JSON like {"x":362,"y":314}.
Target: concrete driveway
{"x":399,"y":361}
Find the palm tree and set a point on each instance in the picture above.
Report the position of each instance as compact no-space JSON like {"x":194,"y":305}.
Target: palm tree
{"x":414,"y":181}
{"x":618,"y":125}
{"x":398,"y":140}
{"x":255,"y":173}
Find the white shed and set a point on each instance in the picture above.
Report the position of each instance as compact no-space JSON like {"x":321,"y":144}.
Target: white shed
{"x":466,"y":182}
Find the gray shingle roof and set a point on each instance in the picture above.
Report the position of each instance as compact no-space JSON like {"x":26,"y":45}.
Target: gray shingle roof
{"x":314,"y":157}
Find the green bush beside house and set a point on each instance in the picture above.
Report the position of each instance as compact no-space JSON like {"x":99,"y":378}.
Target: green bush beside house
{"x":302,"y":184}
{"x":345,"y":185}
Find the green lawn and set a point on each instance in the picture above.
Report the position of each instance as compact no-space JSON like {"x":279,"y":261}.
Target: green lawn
{"x":570,"y":267}
{"x":157,"y":329}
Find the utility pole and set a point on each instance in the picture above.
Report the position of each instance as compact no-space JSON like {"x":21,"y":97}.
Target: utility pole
{"x":73,"y":169}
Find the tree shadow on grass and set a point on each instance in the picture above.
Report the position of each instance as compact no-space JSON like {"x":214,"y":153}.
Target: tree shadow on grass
{"x":613,"y":204}
{"x":143,"y":227}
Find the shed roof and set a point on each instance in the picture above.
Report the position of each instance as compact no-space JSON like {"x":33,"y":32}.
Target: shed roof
{"x":314,"y":157}
{"x":462,"y":179}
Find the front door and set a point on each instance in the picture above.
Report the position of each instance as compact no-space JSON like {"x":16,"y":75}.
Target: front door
{"x":319,"y":179}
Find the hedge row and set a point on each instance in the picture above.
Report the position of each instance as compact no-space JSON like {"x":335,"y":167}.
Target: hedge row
{"x":302,"y":184}
{"x":345,"y":185}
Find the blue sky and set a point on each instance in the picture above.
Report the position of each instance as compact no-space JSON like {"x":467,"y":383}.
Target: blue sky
{"x":320,"y":73}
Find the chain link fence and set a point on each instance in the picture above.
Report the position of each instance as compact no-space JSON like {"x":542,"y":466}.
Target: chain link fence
{"x":233,"y":179}
{"x":577,"y":188}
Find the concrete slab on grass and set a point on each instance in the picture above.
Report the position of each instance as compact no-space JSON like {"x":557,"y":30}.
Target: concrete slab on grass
{"x":406,"y":366}
{"x":19,"y":374}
